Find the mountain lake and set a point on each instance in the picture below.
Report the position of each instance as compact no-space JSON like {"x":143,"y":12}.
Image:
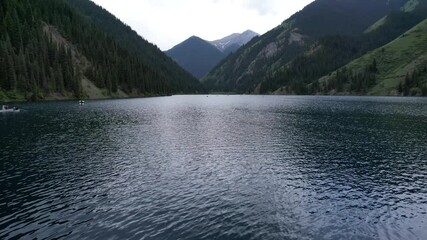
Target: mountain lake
{"x":215,"y":167}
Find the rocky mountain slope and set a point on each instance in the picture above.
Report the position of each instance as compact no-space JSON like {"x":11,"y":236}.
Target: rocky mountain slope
{"x":234,"y":41}
{"x":262,"y":57}
{"x":300,"y":75}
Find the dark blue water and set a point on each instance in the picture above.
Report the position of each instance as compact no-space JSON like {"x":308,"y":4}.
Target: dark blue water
{"x":217,"y":167}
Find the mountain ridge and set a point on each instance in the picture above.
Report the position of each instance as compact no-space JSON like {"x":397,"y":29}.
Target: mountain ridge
{"x":300,"y":76}
{"x":199,"y":56}
{"x":246,"y":68}
{"x":180,"y":80}
{"x":195,"y":55}
{"x":233,"y":41}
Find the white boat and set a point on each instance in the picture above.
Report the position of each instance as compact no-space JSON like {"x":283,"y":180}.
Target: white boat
{"x":5,"y":108}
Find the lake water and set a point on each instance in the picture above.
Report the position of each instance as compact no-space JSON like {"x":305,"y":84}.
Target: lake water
{"x":216,"y":167}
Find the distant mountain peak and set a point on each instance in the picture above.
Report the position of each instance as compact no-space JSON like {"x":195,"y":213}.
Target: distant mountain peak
{"x":250,"y":32}
{"x":189,"y":41}
{"x":196,"y":55}
{"x":233,"y":41}
{"x":199,"y":56}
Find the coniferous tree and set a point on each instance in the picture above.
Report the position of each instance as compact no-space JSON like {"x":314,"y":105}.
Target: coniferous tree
{"x":47,"y":48}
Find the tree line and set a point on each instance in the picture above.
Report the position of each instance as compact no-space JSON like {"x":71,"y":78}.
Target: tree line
{"x":35,"y":64}
{"x":415,"y":83}
{"x":151,"y":56}
{"x":329,"y":53}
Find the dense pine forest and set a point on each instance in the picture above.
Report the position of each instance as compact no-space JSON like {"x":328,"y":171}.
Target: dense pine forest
{"x":179,"y":80}
{"x":48,"y":50}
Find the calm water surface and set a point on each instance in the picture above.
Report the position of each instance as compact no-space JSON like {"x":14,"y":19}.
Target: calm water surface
{"x":217,"y":167}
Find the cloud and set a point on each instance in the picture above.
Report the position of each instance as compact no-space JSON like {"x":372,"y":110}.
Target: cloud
{"x":263,"y":7}
{"x":168,"y":22}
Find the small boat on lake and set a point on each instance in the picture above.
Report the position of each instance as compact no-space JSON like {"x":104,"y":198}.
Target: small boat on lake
{"x":5,"y":109}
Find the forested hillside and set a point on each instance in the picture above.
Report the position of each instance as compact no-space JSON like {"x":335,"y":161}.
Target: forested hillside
{"x":331,"y":52}
{"x":397,"y":68}
{"x":49,"y":50}
{"x":177,"y":77}
{"x":321,"y":38}
{"x":263,"y":56}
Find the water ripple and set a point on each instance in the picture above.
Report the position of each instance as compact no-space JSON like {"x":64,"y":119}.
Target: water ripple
{"x":223,"y":167}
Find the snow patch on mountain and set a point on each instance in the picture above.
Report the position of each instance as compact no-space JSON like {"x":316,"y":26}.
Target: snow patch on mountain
{"x":234,"y":40}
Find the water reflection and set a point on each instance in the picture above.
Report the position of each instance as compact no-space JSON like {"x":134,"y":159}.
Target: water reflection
{"x":238,"y":167}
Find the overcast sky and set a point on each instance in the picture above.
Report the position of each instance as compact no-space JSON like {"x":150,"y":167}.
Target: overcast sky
{"x":169,"y":22}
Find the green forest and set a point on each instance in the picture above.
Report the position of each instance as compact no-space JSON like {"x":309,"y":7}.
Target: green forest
{"x":312,"y":51}
{"x":47,"y":48}
{"x":330,"y":53}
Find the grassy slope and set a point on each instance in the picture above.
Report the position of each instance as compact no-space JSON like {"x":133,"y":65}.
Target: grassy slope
{"x":395,"y":59}
{"x":411,"y":5}
{"x":376,"y":25}
{"x":248,"y":66}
